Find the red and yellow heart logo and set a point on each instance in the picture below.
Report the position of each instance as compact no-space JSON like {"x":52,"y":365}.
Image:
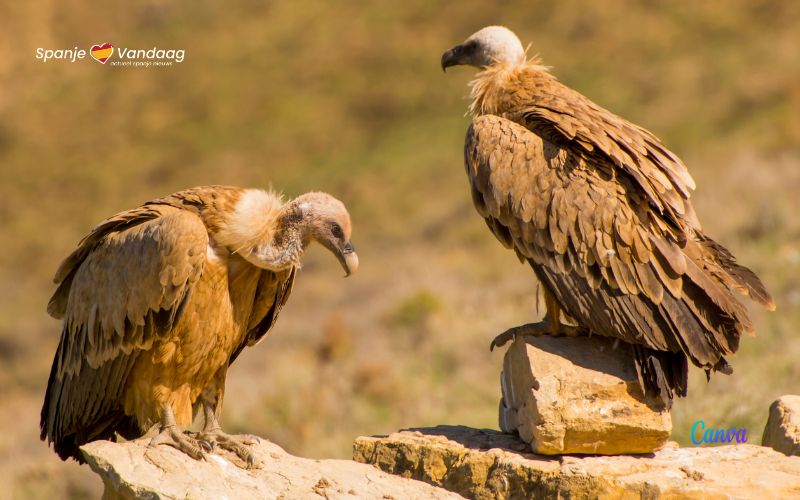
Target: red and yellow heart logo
{"x":101,"y":53}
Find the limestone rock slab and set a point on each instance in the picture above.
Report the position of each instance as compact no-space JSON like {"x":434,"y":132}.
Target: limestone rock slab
{"x":132,"y":470}
{"x":579,"y":395}
{"x":480,"y":463}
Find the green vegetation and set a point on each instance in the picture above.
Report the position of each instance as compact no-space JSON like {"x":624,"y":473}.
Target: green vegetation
{"x":348,"y":97}
{"x":415,"y":310}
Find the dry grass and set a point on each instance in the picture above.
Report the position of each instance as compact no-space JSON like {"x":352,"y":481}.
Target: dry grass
{"x":348,"y":98}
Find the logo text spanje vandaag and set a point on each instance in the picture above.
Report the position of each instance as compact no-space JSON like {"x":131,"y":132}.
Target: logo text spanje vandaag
{"x":104,"y":52}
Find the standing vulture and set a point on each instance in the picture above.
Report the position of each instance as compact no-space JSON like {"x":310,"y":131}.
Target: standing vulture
{"x":600,"y":209}
{"x":158,"y":301}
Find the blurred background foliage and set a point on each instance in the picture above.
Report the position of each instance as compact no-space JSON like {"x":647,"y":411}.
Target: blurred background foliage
{"x":348,"y":97}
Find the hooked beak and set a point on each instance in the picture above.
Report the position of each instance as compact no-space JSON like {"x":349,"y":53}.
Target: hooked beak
{"x":348,"y":259}
{"x":452,"y":57}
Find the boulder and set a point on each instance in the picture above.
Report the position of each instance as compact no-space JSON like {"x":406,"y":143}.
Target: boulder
{"x":479,"y":463}
{"x":579,"y":395}
{"x":132,"y":470}
{"x":782,"y":431}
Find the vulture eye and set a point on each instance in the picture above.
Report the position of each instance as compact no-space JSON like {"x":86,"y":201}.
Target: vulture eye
{"x":336,"y":231}
{"x":470,"y":46}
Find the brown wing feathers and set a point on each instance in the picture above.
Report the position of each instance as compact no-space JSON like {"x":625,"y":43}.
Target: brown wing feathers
{"x":567,"y":117}
{"x":126,"y":284}
{"x":593,"y":237}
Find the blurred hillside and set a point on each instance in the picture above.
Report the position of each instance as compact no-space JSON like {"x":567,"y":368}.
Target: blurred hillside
{"x":348,"y":97}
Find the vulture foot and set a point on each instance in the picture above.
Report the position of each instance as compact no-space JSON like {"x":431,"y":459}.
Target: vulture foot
{"x":541,"y":329}
{"x":212,"y":434}
{"x":171,"y":435}
{"x":168,"y":433}
{"x":238,"y":445}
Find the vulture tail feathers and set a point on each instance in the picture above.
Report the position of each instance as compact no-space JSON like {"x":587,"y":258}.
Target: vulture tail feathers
{"x":740,"y":277}
{"x":662,"y":374}
{"x":690,"y":328}
{"x":612,"y":313}
{"x":722,"y":331}
{"x":75,"y":413}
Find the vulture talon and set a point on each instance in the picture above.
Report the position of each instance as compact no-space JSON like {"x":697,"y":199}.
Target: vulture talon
{"x":208,"y":446}
{"x":238,"y":445}
{"x":503,"y":339}
{"x":172,"y":436}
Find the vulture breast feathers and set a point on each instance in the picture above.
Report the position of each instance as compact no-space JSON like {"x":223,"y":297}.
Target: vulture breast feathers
{"x":601,"y":211}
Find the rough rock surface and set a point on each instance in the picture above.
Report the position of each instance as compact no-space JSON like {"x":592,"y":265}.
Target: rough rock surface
{"x":782,"y":431}
{"x":578,"y":395}
{"x":132,"y":470}
{"x":489,"y":464}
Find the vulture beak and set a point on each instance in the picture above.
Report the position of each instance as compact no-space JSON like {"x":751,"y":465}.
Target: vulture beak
{"x":453,"y":57}
{"x":347,"y":256}
{"x":348,"y":259}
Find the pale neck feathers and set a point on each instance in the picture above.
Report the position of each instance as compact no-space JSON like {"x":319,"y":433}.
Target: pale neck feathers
{"x":253,"y":222}
{"x":490,"y":88}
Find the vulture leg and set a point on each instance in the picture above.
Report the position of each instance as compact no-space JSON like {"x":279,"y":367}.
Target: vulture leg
{"x":171,"y":435}
{"x":212,"y":433}
{"x":550,"y":326}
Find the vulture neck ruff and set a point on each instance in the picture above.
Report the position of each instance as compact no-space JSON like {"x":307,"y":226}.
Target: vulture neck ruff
{"x":256,"y":230}
{"x":490,"y":88}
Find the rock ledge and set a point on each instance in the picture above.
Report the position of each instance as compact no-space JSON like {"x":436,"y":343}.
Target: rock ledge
{"x":132,"y":470}
{"x":488,"y":464}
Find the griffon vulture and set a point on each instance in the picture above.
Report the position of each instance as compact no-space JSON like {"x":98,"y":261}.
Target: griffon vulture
{"x":600,"y":209}
{"x":158,"y":301}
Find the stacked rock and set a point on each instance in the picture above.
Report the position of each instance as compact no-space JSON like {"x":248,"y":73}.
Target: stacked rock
{"x":568,"y":395}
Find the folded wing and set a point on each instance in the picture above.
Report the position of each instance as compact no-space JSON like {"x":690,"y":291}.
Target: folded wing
{"x":617,"y":264}
{"x":123,"y":287}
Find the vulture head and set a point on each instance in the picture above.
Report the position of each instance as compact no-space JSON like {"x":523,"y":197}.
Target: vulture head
{"x":273,"y":235}
{"x":325,"y":219}
{"x":491,"y":45}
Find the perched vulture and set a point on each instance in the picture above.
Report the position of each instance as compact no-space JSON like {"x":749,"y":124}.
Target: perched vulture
{"x":158,"y":301}
{"x":600,"y":209}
